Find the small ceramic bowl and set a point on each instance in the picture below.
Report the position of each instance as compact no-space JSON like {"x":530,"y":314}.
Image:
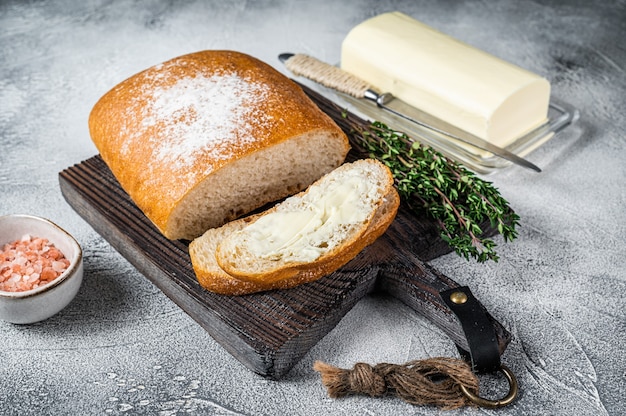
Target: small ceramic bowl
{"x":37,"y":304}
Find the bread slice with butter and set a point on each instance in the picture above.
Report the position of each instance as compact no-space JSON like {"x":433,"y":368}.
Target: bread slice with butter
{"x":308,"y":229}
{"x":332,"y":203}
{"x":213,"y":278}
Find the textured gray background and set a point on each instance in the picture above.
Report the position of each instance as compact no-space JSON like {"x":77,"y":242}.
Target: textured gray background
{"x":121,"y":347}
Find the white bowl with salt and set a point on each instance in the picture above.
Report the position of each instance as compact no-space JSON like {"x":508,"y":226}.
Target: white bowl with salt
{"x":41,"y":268}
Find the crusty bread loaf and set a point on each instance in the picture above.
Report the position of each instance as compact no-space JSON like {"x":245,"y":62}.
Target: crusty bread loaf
{"x":212,"y":277}
{"x":207,"y":137}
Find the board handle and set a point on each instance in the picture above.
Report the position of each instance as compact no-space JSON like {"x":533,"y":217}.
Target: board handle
{"x":480,"y":338}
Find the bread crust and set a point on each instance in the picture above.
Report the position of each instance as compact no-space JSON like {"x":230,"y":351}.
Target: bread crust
{"x":131,"y":135}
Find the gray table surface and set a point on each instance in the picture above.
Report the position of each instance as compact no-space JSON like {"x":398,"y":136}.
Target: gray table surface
{"x":122,"y":347}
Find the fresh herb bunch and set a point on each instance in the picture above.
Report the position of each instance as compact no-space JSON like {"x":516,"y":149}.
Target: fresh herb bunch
{"x":429,"y":182}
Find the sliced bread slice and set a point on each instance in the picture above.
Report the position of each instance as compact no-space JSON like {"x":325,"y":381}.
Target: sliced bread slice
{"x":213,"y":278}
{"x":310,"y":229}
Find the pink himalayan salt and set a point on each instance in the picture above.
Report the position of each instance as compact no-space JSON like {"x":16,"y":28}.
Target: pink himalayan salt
{"x":29,"y":263}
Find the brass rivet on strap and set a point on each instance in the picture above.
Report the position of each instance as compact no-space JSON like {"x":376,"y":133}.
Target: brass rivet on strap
{"x":458,"y":297}
{"x":492,"y":404}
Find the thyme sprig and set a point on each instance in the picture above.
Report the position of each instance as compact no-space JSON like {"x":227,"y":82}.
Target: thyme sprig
{"x":455,"y":197}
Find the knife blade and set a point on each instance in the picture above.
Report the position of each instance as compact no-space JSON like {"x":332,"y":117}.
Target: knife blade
{"x":340,"y":80}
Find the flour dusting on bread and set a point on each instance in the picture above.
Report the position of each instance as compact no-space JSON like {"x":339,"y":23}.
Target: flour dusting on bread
{"x":210,"y":115}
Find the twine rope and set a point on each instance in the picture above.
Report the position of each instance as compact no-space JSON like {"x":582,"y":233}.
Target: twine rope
{"x":433,"y":381}
{"x":327,"y":75}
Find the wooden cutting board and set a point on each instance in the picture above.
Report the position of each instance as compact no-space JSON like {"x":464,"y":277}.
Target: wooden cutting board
{"x":269,"y":332}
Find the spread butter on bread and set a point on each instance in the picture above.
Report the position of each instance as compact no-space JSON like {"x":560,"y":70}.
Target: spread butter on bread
{"x":205,"y":138}
{"x":305,"y":237}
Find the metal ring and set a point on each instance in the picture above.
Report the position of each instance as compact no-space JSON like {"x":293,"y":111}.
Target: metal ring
{"x":492,"y":404}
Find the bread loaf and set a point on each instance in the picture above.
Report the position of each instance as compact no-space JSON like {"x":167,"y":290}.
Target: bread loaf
{"x":207,"y":137}
{"x":283,"y":274}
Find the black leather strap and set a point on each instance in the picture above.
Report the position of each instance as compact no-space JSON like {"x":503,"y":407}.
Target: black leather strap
{"x":483,"y":354}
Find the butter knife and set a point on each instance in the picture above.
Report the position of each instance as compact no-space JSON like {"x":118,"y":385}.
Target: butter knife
{"x":340,"y":80}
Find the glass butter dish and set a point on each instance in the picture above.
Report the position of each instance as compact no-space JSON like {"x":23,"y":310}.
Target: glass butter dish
{"x":560,"y":115}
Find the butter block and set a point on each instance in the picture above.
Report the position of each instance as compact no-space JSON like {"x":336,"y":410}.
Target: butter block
{"x":304,"y":234}
{"x":455,"y":82}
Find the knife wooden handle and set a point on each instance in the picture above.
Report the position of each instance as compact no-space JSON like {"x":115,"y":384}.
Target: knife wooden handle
{"x":325,"y":74}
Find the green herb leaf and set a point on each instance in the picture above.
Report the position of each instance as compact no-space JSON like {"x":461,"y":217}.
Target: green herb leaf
{"x":454,"y":196}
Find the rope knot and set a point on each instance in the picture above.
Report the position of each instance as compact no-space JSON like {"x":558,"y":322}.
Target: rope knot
{"x":363,"y":379}
{"x":434,"y":381}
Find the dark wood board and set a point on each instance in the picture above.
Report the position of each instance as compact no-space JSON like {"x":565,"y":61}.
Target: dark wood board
{"x":269,"y":332}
